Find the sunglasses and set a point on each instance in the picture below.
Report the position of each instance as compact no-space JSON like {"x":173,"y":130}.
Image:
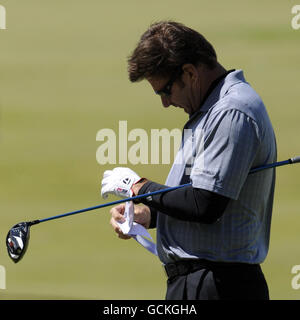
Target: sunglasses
{"x":166,"y":90}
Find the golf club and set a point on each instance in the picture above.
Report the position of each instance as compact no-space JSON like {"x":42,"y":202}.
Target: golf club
{"x":18,"y":236}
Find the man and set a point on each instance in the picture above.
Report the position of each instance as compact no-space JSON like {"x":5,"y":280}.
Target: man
{"x":212,"y":236}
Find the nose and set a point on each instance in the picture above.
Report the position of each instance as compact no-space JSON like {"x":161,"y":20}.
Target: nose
{"x":165,"y":101}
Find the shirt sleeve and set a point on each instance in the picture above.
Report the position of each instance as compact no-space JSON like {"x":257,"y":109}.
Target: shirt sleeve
{"x":231,"y":140}
{"x":187,"y":203}
{"x":153,"y":220}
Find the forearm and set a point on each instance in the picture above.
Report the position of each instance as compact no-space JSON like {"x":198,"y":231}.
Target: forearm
{"x":187,"y":203}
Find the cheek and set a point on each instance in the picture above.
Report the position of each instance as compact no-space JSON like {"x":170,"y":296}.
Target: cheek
{"x":178,"y":93}
{"x":182,"y":96}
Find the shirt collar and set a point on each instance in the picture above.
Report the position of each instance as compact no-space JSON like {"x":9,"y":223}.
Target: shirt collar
{"x":218,"y":89}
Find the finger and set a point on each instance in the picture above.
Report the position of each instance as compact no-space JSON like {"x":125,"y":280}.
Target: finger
{"x":115,"y":225}
{"x":105,"y":190}
{"x":106,"y":180}
{"x":104,"y":194}
{"x":105,"y":183}
{"x":119,"y":209}
{"x":118,"y":230}
{"x":107,"y":173}
{"x":123,"y":236}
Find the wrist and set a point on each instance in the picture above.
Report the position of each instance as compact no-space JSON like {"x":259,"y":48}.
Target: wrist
{"x":138,"y":185}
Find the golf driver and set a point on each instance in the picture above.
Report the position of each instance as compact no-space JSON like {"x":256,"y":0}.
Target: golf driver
{"x":18,"y":236}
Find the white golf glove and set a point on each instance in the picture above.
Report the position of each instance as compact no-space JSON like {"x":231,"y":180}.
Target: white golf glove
{"x":118,"y":182}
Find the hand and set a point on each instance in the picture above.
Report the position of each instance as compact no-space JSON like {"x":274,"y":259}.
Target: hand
{"x":119,"y":182}
{"x":142,"y":216}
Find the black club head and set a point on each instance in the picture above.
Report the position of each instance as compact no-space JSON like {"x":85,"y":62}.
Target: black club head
{"x":17,"y":241}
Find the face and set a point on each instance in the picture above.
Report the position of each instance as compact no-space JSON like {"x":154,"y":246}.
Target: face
{"x":177,"y":92}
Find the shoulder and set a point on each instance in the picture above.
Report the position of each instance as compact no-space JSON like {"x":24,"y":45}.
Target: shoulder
{"x":240,"y":104}
{"x":243,"y":98}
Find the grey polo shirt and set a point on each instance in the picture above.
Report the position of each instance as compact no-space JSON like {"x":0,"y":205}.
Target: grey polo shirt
{"x":231,"y":135}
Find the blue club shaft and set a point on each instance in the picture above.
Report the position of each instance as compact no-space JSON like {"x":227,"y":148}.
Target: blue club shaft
{"x":260,"y":168}
{"x":271,"y":165}
{"x":115,"y":202}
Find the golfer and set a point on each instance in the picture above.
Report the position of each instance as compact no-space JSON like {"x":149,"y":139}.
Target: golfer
{"x":212,"y":236}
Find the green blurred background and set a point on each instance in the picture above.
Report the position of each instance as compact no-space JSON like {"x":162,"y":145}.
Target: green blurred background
{"x":63,"y":77}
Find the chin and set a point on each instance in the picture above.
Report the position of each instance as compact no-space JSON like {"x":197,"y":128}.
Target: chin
{"x":186,"y":110}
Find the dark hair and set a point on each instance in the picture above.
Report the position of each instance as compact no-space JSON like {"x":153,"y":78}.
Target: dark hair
{"x":165,"y":47}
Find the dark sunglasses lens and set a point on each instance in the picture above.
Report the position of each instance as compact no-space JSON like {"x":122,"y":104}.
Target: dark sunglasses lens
{"x":166,"y":90}
{"x":164,"y":94}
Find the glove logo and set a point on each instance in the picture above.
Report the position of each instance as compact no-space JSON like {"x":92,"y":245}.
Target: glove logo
{"x":127,"y":181}
{"x":121,"y":190}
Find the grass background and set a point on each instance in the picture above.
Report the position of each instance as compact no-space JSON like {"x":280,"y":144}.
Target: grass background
{"x":63,"y":77}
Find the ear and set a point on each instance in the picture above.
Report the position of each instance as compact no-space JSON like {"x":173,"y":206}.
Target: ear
{"x":190,"y":71}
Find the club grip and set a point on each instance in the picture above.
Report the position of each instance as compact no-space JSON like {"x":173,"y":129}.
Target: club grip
{"x":295,"y":159}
